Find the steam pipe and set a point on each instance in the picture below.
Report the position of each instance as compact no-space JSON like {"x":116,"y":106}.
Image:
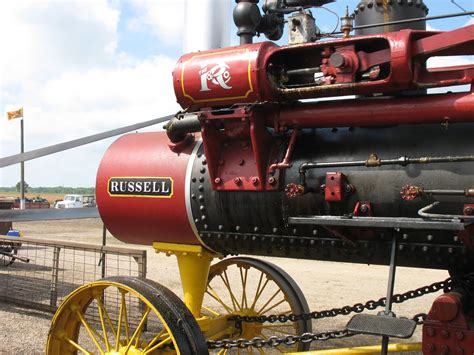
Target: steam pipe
{"x":177,"y":129}
{"x":445,"y":108}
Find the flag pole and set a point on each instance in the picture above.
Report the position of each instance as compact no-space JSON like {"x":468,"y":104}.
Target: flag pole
{"x":22,"y":167}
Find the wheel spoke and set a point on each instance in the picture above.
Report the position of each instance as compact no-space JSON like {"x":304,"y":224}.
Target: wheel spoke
{"x":107,"y":317}
{"x":102,"y":323}
{"x":268,"y":309}
{"x":259,"y":291}
{"x":138,"y":331}
{"x":210,"y":310}
{"x":76,"y":345}
{"x":270,"y":299}
{"x":156,"y":338}
{"x":92,"y":333}
{"x":235,"y":303}
{"x":125,"y":318}
{"x":214,"y":295}
{"x":243,"y":278}
{"x":161,"y":343}
{"x":119,"y":325}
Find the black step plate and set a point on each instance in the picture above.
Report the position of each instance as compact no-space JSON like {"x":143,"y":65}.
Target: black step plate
{"x":382,"y":325}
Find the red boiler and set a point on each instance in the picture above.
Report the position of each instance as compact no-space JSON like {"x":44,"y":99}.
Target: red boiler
{"x":141,"y":190}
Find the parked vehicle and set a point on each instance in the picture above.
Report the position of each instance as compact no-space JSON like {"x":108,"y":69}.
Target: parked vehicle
{"x":37,"y":202}
{"x":76,"y":201}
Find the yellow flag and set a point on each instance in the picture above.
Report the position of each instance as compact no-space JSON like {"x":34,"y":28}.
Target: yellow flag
{"x":15,"y":114}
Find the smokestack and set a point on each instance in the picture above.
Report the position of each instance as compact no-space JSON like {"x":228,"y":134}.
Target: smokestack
{"x":370,"y":12}
{"x":206,"y":25}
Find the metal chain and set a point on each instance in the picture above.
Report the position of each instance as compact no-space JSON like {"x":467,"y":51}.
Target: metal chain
{"x":289,"y":340}
{"x":346,"y":310}
{"x":274,"y":341}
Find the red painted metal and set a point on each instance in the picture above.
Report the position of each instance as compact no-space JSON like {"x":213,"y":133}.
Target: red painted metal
{"x":143,"y":220}
{"x":381,"y":63}
{"x":334,"y":189}
{"x":445,"y":108}
{"x":447,"y":328}
{"x":221,"y":76}
{"x":468,"y":209}
{"x":285,"y":163}
{"x":238,"y":150}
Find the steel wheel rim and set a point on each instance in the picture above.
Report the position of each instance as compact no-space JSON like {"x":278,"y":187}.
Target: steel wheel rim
{"x":255,"y":301}
{"x":70,"y":323}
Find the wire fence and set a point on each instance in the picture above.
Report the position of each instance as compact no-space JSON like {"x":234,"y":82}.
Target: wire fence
{"x":38,"y":274}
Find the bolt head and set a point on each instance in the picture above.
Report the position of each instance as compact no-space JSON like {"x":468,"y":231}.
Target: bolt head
{"x":364,"y":208}
{"x":217,"y":181}
{"x":237,"y":181}
{"x":468,"y":211}
{"x":348,"y":189}
{"x":255,"y":180}
{"x":241,"y":162}
{"x":459,"y":335}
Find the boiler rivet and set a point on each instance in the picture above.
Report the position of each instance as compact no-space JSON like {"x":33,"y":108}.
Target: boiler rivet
{"x":364,"y":208}
{"x":430,"y":347}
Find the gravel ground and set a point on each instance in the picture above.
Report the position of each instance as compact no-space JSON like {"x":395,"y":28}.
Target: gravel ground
{"x":324,"y":284}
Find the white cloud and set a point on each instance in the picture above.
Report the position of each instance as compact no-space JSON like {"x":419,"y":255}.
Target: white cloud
{"x":164,"y":18}
{"x":63,"y":66}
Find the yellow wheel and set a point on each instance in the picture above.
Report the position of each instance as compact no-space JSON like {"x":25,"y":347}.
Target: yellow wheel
{"x":124,"y":315}
{"x":250,"y":287}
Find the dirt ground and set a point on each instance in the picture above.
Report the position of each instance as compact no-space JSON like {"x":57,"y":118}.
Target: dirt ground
{"x":325,"y":285}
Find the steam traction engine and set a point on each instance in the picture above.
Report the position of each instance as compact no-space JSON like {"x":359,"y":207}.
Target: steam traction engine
{"x":256,"y":165}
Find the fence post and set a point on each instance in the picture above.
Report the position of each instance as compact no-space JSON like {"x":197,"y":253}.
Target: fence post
{"x":54,"y":278}
{"x":103,"y":256}
{"x":141,"y":261}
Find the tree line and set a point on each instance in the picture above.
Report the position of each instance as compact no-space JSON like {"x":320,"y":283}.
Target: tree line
{"x":52,"y":190}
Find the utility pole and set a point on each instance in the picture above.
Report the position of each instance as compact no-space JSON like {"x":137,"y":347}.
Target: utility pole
{"x":22,"y":167}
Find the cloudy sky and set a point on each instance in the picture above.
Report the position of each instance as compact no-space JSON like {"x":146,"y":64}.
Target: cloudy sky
{"x":80,"y":67}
